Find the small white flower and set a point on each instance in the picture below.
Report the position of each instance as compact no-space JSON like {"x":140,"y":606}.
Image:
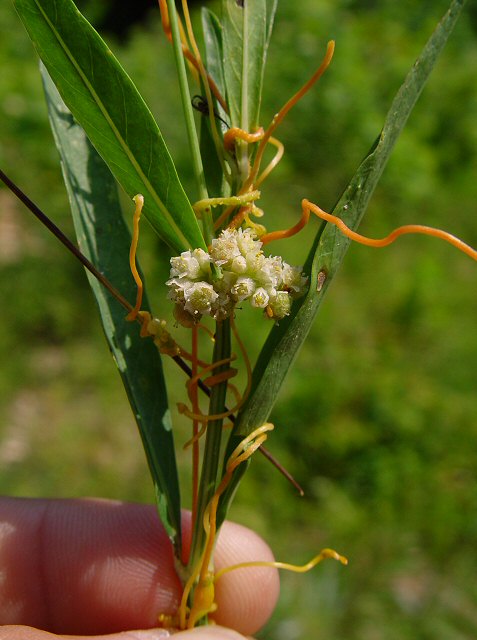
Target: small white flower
{"x":224,"y":284}
{"x":294,"y":280}
{"x":260,"y":298}
{"x":239,"y":264}
{"x":177,"y":288}
{"x":247,"y":242}
{"x":224,"y":248}
{"x":255,"y":263}
{"x":199,"y":298}
{"x":271,"y":272}
{"x":243,"y":288}
{"x":245,"y":274}
{"x":185,"y":266}
{"x":202,"y":258}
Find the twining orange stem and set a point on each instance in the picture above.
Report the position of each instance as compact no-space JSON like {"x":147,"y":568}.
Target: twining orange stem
{"x":223,"y":217}
{"x":239,"y":217}
{"x":189,"y":55}
{"x":235,"y":132}
{"x":192,"y":385}
{"x":273,"y":162}
{"x":241,"y":453}
{"x":203,"y":602}
{"x":309,"y":207}
{"x":205,"y":588}
{"x":284,"y":110}
{"x":210,"y":367}
{"x":133,"y":314}
{"x":183,"y":410}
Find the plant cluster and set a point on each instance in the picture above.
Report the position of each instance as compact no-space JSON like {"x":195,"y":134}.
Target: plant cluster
{"x":102,"y":127}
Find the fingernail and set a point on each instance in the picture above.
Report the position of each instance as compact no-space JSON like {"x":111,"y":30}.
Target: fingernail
{"x":148,"y":634}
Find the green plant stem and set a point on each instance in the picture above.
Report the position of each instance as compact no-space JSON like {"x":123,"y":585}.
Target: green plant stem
{"x":244,"y":98}
{"x":242,"y":151}
{"x":196,"y":158}
{"x":213,"y":440}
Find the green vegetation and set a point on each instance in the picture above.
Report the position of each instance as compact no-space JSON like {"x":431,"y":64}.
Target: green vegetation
{"x":378,"y":420}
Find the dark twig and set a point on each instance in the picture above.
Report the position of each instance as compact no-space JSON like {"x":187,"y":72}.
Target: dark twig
{"x":72,"y":248}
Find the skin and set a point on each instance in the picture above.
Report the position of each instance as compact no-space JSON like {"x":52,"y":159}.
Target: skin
{"x":103,"y":570}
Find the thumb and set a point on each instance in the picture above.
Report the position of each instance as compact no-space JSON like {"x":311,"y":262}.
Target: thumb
{"x":17,"y":632}
{"x":208,"y":633}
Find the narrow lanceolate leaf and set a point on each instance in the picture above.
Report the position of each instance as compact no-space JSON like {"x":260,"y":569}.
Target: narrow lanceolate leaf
{"x":104,"y":238}
{"x":105,"y":102}
{"x":246,"y":32}
{"x":213,"y":50}
{"x":330,"y":245}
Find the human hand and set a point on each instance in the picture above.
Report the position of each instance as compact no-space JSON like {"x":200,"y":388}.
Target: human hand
{"x":86,"y":568}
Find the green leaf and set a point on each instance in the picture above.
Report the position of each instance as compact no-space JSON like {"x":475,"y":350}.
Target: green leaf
{"x":330,"y":246}
{"x":104,"y":238}
{"x":246,"y":33}
{"x":213,"y":49}
{"x":105,"y":102}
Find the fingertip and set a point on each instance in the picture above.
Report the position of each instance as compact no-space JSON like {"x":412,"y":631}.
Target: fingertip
{"x":210,"y":633}
{"x":245,"y":597}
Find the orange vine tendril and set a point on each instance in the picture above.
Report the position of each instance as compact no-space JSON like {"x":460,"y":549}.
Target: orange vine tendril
{"x":139,"y":201}
{"x":231,"y":201}
{"x":204,"y":593}
{"x":150,"y":327}
{"x":235,"y":132}
{"x":203,"y":601}
{"x":188,"y":53}
{"x":308,"y":207}
{"x":265,"y":138}
{"x":155,"y":328}
{"x":244,"y":216}
{"x":240,"y":217}
{"x":192,"y":384}
{"x":206,"y":83}
{"x":323,"y":555}
{"x":273,"y":163}
{"x":211,"y":381}
{"x":278,"y":118}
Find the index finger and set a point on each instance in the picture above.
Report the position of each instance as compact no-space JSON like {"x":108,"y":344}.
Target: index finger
{"x":94,"y":567}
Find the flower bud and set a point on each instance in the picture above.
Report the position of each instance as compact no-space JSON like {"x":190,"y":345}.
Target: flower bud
{"x":280,"y":305}
{"x":183,"y":317}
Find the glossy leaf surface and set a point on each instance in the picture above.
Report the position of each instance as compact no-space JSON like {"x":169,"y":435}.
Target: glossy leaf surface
{"x":246,"y":33}
{"x":104,"y":238}
{"x":330,"y":246}
{"x":105,"y":102}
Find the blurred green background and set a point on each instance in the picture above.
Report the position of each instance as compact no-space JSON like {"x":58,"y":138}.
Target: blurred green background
{"x":378,"y":418}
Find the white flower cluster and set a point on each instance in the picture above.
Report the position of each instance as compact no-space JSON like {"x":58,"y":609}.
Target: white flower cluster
{"x":245,"y":274}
